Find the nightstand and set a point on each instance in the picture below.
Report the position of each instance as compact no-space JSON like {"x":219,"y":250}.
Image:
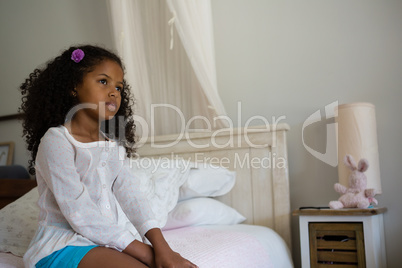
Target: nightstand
{"x":348,"y":237}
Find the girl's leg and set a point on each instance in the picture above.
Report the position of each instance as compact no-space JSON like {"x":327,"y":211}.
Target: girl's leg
{"x":106,"y":257}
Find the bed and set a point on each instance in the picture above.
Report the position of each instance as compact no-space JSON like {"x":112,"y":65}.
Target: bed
{"x":244,"y":222}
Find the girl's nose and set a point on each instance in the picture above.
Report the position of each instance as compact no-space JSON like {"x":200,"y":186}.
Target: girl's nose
{"x":113,"y":92}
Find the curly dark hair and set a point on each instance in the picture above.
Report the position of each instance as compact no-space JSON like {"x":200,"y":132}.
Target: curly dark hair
{"x":47,"y":98}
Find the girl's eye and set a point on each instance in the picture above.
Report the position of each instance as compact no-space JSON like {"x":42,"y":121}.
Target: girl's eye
{"x":119,"y":89}
{"x":103,"y":81}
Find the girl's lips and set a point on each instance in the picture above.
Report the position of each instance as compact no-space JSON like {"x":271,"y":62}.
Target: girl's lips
{"x":111,"y":106}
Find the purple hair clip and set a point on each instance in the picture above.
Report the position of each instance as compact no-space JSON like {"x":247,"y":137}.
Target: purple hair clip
{"x":77,"y":55}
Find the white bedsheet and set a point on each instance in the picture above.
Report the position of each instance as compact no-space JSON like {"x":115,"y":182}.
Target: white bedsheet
{"x":234,"y":246}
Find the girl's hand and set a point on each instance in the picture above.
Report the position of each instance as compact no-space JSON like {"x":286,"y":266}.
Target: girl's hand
{"x":167,"y":258}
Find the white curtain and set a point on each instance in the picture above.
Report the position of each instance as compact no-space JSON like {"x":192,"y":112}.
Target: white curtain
{"x":168,"y":51}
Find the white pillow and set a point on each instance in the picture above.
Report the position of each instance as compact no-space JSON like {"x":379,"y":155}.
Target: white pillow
{"x":206,"y":180}
{"x":202,"y":211}
{"x":18,"y":223}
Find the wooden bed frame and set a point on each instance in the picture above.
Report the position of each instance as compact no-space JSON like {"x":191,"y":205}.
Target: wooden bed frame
{"x":12,"y":189}
{"x":258,"y":155}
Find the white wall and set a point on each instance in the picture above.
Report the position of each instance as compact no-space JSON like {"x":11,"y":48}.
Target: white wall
{"x":278,"y":58}
{"x":33,"y":32}
{"x":292,"y":58}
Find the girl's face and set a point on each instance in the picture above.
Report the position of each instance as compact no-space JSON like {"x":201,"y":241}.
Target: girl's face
{"x":102,"y":87}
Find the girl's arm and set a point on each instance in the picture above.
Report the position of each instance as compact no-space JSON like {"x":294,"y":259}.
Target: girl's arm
{"x":161,"y":255}
{"x":133,"y":201}
{"x":141,"y":252}
{"x":164,"y":255}
{"x":135,"y":204}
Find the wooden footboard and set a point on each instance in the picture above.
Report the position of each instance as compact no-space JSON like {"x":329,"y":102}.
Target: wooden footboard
{"x":12,"y":189}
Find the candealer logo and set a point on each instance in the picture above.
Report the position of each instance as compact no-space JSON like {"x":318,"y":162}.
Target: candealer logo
{"x":221,"y":138}
{"x":330,"y":156}
{"x":237,"y":161}
{"x":117,"y":128}
{"x":243,"y":161}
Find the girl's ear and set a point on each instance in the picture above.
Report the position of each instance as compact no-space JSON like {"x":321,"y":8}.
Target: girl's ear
{"x":363,"y":165}
{"x":350,"y":162}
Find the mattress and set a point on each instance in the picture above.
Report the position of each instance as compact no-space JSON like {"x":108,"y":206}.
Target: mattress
{"x":222,"y":246}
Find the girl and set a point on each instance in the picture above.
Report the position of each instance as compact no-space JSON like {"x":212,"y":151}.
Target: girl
{"x":83,"y":183}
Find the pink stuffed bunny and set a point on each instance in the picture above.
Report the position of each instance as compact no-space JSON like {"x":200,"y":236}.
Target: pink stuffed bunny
{"x":356,"y":196}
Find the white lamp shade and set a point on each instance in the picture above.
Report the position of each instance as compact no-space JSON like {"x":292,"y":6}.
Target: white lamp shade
{"x":357,"y":136}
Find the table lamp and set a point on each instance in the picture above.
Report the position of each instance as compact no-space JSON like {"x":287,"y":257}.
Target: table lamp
{"x":357,"y":136}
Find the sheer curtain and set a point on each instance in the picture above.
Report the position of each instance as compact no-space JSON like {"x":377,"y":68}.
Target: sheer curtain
{"x":168,"y":51}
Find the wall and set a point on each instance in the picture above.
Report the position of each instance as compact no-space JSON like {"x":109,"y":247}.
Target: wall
{"x":278,"y":58}
{"x":292,"y":58}
{"x":33,"y":32}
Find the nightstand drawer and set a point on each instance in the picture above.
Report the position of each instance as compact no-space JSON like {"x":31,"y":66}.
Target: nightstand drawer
{"x":332,"y":236}
{"x":333,"y":243}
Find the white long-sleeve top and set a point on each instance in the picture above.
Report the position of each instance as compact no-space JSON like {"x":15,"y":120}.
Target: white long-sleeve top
{"x":83,"y":189}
